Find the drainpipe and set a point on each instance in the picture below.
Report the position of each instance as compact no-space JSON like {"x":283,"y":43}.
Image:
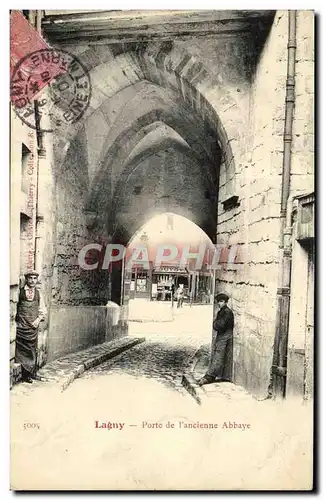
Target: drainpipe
{"x":40,"y":198}
{"x":41,"y":158}
{"x":279,"y":363}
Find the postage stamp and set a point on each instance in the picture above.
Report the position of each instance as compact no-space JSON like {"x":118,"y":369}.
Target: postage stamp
{"x":67,"y":81}
{"x":24,"y":39}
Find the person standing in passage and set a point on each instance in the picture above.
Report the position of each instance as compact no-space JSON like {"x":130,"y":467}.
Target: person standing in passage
{"x":221,"y":357}
{"x":172,"y":292}
{"x":180,"y":293}
{"x":30,"y":312}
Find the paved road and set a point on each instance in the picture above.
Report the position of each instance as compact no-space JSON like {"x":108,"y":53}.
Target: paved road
{"x":162,"y":361}
{"x":168,"y":349}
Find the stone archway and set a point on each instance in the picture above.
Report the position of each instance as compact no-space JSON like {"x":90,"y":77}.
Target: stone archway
{"x":207,"y":89}
{"x":121,"y":133}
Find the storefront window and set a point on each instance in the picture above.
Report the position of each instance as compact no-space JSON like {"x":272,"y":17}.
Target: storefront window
{"x":141,"y":284}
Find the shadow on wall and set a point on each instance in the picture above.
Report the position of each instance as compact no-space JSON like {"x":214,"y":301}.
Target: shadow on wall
{"x":259,"y":36}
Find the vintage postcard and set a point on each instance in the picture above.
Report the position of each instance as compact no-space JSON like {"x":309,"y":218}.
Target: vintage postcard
{"x":162,"y":250}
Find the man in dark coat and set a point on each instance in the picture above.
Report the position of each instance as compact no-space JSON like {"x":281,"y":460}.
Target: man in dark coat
{"x":30,"y":312}
{"x":172,"y":292}
{"x":220,"y":365}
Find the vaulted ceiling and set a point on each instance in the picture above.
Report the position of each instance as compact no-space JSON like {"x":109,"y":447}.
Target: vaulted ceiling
{"x":157,"y":129}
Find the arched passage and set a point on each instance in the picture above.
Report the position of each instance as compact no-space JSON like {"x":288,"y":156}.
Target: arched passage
{"x":206,"y":97}
{"x":151,"y":104}
{"x":134,"y":170}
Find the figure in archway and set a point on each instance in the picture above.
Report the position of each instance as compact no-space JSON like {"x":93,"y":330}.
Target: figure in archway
{"x":180,"y":295}
{"x":221,"y":357}
{"x":173,"y":291}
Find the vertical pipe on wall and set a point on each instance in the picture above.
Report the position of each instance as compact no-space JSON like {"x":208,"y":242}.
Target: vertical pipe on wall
{"x":41,"y":157}
{"x":279,"y":364}
{"x":41,"y":200}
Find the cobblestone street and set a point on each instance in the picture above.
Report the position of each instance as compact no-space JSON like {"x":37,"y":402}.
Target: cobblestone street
{"x":161,"y":361}
{"x":168,"y":350}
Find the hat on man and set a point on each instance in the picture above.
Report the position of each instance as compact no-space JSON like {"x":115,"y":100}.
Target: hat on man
{"x":222,"y":296}
{"x":31,"y":273}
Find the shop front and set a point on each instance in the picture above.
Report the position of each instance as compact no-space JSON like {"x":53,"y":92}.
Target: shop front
{"x":141,"y":283}
{"x":166,"y":280}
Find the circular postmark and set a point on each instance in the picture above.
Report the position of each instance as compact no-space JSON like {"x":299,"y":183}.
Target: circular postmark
{"x":54,"y":80}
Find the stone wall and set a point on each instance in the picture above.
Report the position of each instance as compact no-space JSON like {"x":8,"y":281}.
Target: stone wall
{"x":75,"y":328}
{"x":32,"y":221}
{"x":46,"y":236}
{"x":15,"y":172}
{"x":78,"y":314}
{"x":255,"y":224}
{"x":23,"y":171}
{"x":167,"y":179}
{"x":73,"y":285}
{"x":303,"y":153}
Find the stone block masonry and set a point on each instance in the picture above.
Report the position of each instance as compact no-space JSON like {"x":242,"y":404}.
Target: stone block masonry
{"x":256,"y":224}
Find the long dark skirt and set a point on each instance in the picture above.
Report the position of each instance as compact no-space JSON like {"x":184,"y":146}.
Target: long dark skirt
{"x":26,"y":349}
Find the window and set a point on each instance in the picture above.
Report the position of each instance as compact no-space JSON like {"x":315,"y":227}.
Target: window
{"x":25,"y":155}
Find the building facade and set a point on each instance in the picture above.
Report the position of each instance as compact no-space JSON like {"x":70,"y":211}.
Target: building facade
{"x":170,"y":250}
{"x":160,"y":283}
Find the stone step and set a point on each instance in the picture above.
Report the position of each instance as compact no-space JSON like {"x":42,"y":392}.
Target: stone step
{"x":215,"y":391}
{"x":197,"y":368}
